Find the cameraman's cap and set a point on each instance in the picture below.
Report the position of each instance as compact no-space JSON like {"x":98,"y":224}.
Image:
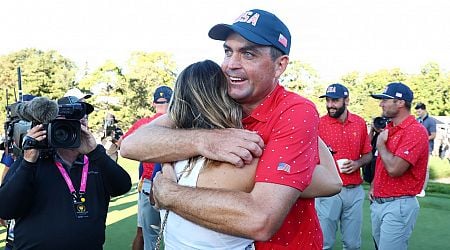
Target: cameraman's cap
{"x":162,"y":92}
{"x":77,"y":93}
{"x":73,"y":99}
{"x":257,"y":26}
{"x":336,"y":91}
{"x":396,"y":90}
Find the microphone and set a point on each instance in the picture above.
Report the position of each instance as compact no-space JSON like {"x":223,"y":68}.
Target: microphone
{"x":43,"y":110}
{"x":40,"y":110}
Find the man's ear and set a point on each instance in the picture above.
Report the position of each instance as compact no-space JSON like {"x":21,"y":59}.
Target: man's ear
{"x":281,"y":63}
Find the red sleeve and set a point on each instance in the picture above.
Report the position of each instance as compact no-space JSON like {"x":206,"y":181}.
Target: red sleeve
{"x":291,"y":151}
{"x":411,"y":147}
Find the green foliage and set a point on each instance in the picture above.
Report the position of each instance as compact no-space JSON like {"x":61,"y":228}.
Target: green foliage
{"x":108,"y":84}
{"x":146,"y":72}
{"x":432,"y":87}
{"x":301,"y":78}
{"x":361,"y":86}
{"x":43,"y":74}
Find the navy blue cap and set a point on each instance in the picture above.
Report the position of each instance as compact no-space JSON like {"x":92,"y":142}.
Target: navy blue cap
{"x":257,"y":26}
{"x":162,"y":92}
{"x":336,"y":91}
{"x":396,"y":90}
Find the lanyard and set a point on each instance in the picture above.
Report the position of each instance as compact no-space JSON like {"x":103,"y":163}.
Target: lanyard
{"x":66,"y":177}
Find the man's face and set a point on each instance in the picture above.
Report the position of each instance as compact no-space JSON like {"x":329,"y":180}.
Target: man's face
{"x":420,"y":112}
{"x":390,"y":107}
{"x":336,"y":106}
{"x":250,"y":70}
{"x":161,"y":105}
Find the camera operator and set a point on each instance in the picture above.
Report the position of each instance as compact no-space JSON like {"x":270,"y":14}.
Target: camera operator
{"x":378,"y":124}
{"x":400,"y":170}
{"x":66,"y":189}
{"x":111,"y":136}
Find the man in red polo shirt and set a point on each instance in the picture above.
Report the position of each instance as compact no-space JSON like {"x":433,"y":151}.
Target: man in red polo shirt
{"x":400,"y":170}
{"x":148,"y":217}
{"x":346,"y":135}
{"x":281,"y":129}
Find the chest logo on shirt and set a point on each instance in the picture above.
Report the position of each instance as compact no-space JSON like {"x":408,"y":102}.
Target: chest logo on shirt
{"x":406,"y":152}
{"x":284,"y":167}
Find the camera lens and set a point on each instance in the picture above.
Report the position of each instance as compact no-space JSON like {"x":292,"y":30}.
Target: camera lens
{"x":380,"y":122}
{"x":64,"y":134}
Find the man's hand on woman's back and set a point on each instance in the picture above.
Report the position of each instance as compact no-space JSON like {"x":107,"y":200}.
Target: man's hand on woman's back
{"x":235,"y":146}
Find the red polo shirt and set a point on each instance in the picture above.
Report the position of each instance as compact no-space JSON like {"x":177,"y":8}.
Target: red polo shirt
{"x":288,"y":124}
{"x":349,"y":140}
{"x":409,"y":141}
{"x":147,"y":166}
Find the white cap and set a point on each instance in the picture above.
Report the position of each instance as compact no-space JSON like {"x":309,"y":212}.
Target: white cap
{"x":77,"y":93}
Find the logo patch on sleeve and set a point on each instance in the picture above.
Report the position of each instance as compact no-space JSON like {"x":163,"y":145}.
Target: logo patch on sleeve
{"x":284,"y":167}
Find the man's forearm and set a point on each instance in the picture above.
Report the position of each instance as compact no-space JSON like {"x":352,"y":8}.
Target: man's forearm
{"x":394,"y":165}
{"x":325,"y":182}
{"x":257,"y":215}
{"x":218,"y":215}
{"x":365,"y":159}
{"x":386,"y":156}
{"x":152,"y":143}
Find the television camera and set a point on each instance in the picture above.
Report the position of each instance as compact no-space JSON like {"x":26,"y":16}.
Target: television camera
{"x":61,"y":121}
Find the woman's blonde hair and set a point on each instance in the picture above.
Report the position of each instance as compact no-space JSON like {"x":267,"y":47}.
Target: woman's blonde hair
{"x":201,"y":101}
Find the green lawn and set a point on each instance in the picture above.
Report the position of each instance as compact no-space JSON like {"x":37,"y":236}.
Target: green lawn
{"x":431,"y":230}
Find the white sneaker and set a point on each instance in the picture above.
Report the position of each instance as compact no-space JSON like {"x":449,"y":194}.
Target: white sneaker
{"x":422,"y":194}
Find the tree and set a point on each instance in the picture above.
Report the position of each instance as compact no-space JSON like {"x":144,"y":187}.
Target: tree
{"x":432,"y":87}
{"x":304,"y":80}
{"x":43,"y":74}
{"x":108,"y":85}
{"x":146,"y":72}
{"x":361,"y":86}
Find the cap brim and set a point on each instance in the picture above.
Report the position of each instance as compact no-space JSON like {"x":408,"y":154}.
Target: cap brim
{"x":332,"y":96}
{"x":222,"y":31}
{"x":381,"y":96}
{"x":89,"y":108}
{"x":86,"y":96}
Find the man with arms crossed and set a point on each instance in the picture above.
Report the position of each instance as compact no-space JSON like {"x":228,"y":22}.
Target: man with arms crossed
{"x":285,"y":138}
{"x":345,"y":134}
{"x":400,"y":170}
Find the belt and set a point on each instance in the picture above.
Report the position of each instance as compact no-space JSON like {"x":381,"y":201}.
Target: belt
{"x":351,"y":186}
{"x":389,"y":199}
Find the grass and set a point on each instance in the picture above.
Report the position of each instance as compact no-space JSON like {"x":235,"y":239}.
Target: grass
{"x":431,"y":231}
{"x":439,"y":168}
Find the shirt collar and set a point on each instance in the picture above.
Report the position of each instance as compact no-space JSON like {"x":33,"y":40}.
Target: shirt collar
{"x":79,"y":161}
{"x":264,"y":110}
{"x":405,"y":123}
